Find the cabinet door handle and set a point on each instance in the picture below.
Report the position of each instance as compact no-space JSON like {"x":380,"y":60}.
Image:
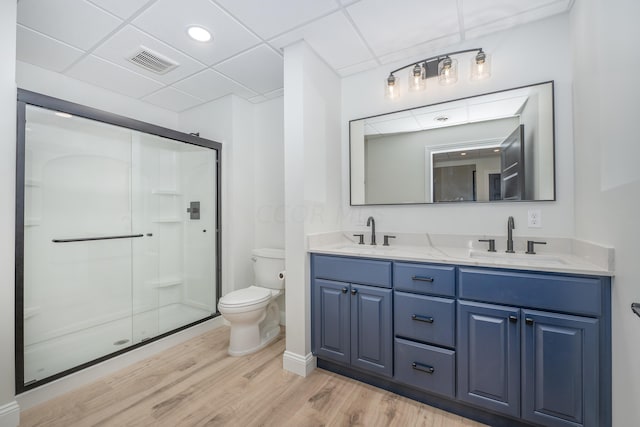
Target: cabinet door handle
{"x":422,"y":279}
{"x":419,"y":318}
{"x":354,"y":291}
{"x":423,"y":368}
{"x":528,"y":321}
{"x":345,"y":290}
{"x":513,"y":319}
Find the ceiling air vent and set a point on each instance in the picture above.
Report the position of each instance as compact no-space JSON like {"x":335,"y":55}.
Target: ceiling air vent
{"x":152,"y":61}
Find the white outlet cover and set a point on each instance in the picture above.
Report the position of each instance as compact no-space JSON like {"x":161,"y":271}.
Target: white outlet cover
{"x":534,"y":218}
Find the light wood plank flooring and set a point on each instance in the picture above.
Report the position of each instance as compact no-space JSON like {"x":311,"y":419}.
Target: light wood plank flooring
{"x":198,"y":384}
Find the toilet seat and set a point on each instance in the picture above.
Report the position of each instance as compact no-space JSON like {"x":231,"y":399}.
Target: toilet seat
{"x":253,"y":295}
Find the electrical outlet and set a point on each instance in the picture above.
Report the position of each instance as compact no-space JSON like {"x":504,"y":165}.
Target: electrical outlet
{"x":534,"y":218}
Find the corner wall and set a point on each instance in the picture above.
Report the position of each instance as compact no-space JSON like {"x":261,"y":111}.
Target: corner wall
{"x":531,"y":53}
{"x":312,"y":184}
{"x":9,"y":411}
{"x":606,"y":91}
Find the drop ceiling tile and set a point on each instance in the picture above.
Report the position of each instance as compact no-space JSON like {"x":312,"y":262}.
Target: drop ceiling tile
{"x":172,"y":99}
{"x":96,"y":71}
{"x":260,"y":69}
{"x":357,"y":68}
{"x":422,"y":51}
{"x":128,"y":40}
{"x":390,"y":26}
{"x":209,"y":85}
{"x":257,"y":99}
{"x":333,"y":38}
{"x":279,"y":16}
{"x":168,"y":21}
{"x":74,"y":22}
{"x":38,"y":49}
{"x":480,"y":12}
{"x":122,"y":8}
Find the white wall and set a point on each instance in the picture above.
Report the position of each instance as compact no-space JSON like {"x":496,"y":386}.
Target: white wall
{"x":606,"y":91}
{"x":9,"y":413}
{"x":312,"y":184}
{"x":268,"y":149}
{"x":528,"y":54}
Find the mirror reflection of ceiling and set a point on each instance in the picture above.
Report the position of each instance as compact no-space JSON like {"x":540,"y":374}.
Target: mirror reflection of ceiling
{"x":89,"y":40}
{"x":477,"y":109}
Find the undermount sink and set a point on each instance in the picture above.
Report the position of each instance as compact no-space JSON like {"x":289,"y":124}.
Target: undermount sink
{"x":517,"y":258}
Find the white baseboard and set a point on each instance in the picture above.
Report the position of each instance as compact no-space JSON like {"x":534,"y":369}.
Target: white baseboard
{"x":301,"y":365}
{"x":63,"y":385}
{"x":10,"y":415}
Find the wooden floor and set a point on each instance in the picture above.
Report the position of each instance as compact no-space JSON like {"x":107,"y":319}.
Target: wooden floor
{"x":198,"y":384}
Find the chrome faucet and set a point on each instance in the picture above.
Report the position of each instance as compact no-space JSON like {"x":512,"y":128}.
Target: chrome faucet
{"x":510,"y":227}
{"x":372,"y":222}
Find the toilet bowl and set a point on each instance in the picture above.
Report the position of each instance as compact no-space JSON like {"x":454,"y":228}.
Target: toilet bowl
{"x":253,"y":313}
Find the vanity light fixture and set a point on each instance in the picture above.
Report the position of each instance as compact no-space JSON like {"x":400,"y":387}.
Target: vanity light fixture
{"x":442,"y":66}
{"x":198,"y":33}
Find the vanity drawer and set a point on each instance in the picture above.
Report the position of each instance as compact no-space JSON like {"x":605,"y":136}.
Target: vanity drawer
{"x":424,"y":279}
{"x":352,"y":270}
{"x":425,"y":367}
{"x":571,"y":294}
{"x":424,"y":318}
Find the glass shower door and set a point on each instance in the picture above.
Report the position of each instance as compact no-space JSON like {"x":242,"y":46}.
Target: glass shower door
{"x":118,"y":242}
{"x":77,"y":260}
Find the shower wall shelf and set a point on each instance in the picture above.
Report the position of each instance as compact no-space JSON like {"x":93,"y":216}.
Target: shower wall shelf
{"x":167,"y":220}
{"x":32,"y":182}
{"x":32,"y":222}
{"x":165,"y":283}
{"x":160,"y":192}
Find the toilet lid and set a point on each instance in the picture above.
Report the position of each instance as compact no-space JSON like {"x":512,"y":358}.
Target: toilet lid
{"x":247,"y":296}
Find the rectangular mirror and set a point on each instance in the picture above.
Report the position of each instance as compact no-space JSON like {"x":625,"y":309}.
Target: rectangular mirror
{"x":493,"y":147}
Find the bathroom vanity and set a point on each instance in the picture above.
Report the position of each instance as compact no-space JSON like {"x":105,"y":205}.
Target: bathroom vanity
{"x":502,"y":342}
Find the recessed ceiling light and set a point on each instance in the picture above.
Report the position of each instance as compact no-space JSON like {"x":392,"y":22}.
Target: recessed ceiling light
{"x":65,"y":115}
{"x":199,"y":34}
{"x":497,"y":150}
{"x":463,"y":154}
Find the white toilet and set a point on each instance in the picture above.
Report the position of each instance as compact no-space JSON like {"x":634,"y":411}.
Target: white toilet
{"x":252,"y":312}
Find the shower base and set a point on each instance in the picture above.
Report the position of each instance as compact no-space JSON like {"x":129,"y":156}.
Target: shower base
{"x":47,"y":358}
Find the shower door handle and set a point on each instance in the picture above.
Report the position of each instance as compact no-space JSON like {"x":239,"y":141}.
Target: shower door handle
{"x":86,"y":239}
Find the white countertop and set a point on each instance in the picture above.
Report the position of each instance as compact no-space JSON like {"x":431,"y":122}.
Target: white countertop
{"x":561,"y":255}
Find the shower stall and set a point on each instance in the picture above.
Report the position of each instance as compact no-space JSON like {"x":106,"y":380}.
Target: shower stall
{"x":117,"y":235}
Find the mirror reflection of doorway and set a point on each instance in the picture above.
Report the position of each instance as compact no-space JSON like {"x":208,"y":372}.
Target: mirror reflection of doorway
{"x":494,"y":186}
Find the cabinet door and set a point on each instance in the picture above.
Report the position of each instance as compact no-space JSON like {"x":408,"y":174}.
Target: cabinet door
{"x":560,"y":361}
{"x":371,"y":329}
{"x":331,"y":322}
{"x":489,"y":356}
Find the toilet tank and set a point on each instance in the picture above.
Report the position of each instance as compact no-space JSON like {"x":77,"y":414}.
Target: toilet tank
{"x":268,"y":263}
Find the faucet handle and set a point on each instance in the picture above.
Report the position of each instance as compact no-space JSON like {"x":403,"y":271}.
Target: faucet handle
{"x":386,"y":239}
{"x":361,"y":236}
{"x":492,"y":244}
{"x":530,"y":244}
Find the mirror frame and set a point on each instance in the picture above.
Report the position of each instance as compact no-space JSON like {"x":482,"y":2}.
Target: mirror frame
{"x":466,"y":202}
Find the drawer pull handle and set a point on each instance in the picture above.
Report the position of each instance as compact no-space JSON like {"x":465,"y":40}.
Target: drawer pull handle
{"x":422,"y":279}
{"x":528,"y":321}
{"x":513,"y":319}
{"x":344,"y":290}
{"x":354,"y":291}
{"x":423,"y":368}
{"x":419,"y":318}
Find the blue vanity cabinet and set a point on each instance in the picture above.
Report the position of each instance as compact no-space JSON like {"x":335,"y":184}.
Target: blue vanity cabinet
{"x":525,"y":358}
{"x":351,"y":308}
{"x":489,"y":356}
{"x":560,"y":363}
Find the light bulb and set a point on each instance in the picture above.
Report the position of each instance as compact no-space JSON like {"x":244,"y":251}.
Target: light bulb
{"x":416,"y":80}
{"x":480,"y":66}
{"x":392,"y":87}
{"x":448,"y":71}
